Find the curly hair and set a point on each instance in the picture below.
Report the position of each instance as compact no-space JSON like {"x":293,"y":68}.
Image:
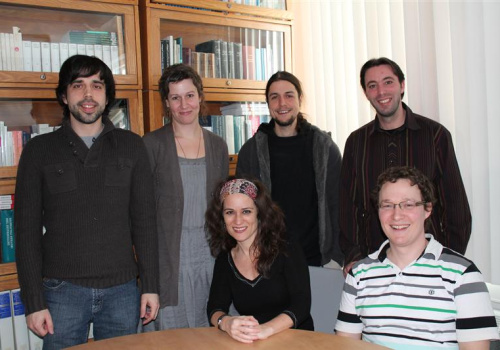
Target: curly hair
{"x":415,"y":176}
{"x":270,"y":239}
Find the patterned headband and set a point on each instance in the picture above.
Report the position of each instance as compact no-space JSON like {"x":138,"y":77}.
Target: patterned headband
{"x":238,"y":186}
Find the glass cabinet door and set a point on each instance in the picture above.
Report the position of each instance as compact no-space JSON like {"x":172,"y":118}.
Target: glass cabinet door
{"x":228,"y":52}
{"x":22,"y":118}
{"x":234,"y":117}
{"x":35,"y":39}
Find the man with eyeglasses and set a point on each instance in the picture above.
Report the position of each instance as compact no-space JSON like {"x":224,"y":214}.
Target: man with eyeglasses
{"x":397,"y":137}
{"x":414,"y":293}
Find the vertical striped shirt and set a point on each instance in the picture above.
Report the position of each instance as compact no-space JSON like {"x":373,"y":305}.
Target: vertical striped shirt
{"x":435,"y":302}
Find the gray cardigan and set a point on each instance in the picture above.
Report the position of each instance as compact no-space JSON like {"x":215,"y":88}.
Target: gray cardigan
{"x":170,"y":198}
{"x":254,"y":160}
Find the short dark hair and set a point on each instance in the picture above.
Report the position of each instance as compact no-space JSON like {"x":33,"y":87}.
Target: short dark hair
{"x":174,"y":74}
{"x":375,"y":62}
{"x":84,"y":66}
{"x":292,"y":79}
{"x":270,"y":239}
{"x":415,"y":176}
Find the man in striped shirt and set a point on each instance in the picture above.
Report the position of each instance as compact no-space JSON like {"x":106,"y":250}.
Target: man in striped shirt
{"x":413,"y":293}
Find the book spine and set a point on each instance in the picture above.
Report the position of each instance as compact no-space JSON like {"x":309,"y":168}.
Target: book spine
{"x":80,"y":48}
{"x":55,"y":63}
{"x":3,"y":52}
{"x":224,"y":60}
{"x":36,"y":54}
{"x":230,"y":60}
{"x":19,"y":321}
{"x":7,"y":227}
{"x":63,"y":52}
{"x":17,"y":49}
{"x":72,"y":49}
{"x":46,"y":64}
{"x":106,"y":55}
{"x":229,"y":128}
{"x":6,"y":326}
{"x":27,"y":56}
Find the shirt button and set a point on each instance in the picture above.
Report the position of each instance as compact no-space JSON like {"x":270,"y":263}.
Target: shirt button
{"x":75,"y":152}
{"x":60,"y":171}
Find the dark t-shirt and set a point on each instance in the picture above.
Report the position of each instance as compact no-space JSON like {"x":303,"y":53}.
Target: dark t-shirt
{"x":294,"y":189}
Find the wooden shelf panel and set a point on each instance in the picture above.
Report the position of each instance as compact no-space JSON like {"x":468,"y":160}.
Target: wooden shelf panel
{"x":8,"y":277}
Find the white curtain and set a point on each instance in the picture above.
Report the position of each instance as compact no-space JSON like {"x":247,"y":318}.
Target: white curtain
{"x":450,"y":53}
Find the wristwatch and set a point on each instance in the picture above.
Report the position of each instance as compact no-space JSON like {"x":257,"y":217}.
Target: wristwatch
{"x":219,"y":320}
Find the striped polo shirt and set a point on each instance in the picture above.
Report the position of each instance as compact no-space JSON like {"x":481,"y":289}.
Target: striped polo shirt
{"x":435,"y":302}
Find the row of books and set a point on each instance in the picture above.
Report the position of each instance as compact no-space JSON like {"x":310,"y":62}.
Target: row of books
{"x":237,"y":123}
{"x":17,"y":54}
{"x":14,"y":333}
{"x":273,"y":4}
{"x":257,"y":56}
{"x":12,"y":142}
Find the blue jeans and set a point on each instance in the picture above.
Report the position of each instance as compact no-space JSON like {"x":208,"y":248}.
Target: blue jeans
{"x":114,"y":312}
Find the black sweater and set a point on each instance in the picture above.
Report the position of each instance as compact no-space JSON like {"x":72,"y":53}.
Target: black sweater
{"x":97,"y":206}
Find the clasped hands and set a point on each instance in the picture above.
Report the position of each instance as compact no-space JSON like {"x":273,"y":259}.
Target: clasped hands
{"x":245,"y":329}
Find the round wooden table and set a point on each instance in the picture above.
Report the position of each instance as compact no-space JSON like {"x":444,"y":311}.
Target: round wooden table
{"x":212,"y":338}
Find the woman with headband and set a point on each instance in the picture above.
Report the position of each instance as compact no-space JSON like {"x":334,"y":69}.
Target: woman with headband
{"x":266,"y":278}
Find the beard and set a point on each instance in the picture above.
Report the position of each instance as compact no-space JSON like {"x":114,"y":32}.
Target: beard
{"x":85,"y":118}
{"x":285,"y":123}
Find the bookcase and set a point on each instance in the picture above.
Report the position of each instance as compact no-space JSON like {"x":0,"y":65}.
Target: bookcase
{"x":27,"y":95}
{"x":203,"y":30}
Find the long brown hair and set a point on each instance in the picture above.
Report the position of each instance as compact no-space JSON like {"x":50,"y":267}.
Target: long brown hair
{"x":270,"y":239}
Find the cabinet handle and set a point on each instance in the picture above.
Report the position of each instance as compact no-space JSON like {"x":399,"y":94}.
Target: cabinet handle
{"x":228,"y":82}
{"x":43,"y":77}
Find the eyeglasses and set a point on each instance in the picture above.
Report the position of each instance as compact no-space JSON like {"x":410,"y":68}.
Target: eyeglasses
{"x":405,"y":206}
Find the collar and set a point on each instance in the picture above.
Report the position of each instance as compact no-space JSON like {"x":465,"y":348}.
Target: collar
{"x":410,"y":122}
{"x":432,"y":251}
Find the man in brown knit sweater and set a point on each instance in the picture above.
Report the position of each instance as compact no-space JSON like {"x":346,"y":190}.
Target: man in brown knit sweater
{"x":90,"y":186}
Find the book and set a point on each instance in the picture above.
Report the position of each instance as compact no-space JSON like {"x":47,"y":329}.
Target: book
{"x":209,"y":65}
{"x":6,"y":325}
{"x":63,"y":52}
{"x":230,"y":60}
{"x":36,"y":343}
{"x":269,"y":54}
{"x":178,"y":50}
{"x":238,"y":60}
{"x":196,"y":64}
{"x":224,"y":65}
{"x":55,"y":64}
{"x":17,"y":49}
{"x":27,"y":56}
{"x":7,"y":228}
{"x":19,"y":321}
{"x":9,"y":44}
{"x":72,"y":49}
{"x":106,"y":55}
{"x":98,"y":51}
{"x":212,"y":46}
{"x":46,"y":63}
{"x":89,"y":49}
{"x":115,"y":60}
{"x":229,"y":128}
{"x":121,"y":46}
{"x":80,"y":49}
{"x":186,"y":56}
{"x":3,"y":51}
{"x":36,"y":54}
{"x":248,"y":55}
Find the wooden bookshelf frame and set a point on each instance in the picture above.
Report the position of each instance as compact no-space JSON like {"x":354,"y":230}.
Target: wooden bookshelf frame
{"x":158,"y":18}
{"x":72,"y":14}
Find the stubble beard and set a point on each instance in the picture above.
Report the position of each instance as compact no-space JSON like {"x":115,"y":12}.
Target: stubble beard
{"x":86,"y":118}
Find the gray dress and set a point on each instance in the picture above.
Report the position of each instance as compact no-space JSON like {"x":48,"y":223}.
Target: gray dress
{"x":196,"y":262}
